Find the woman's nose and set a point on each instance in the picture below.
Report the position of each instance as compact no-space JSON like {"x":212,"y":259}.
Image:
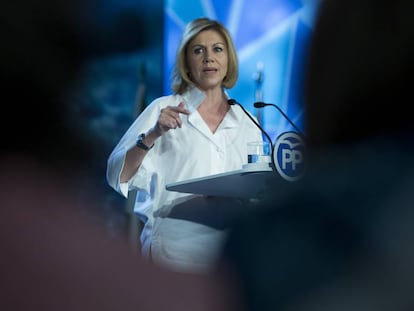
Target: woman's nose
{"x":207,"y":58}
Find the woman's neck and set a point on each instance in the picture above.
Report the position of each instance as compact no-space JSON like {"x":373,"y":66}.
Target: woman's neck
{"x":214,"y":108}
{"x":215,"y":99}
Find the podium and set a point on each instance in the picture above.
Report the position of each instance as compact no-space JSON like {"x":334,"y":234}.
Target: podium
{"x":250,"y":182}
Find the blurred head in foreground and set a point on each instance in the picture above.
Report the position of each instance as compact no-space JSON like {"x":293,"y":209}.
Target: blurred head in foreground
{"x":360,"y":72}
{"x":329,"y":241}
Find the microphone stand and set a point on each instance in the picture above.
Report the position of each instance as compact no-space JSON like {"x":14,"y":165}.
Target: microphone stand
{"x":258,"y":77}
{"x":262,"y":104}
{"x":234,"y":102}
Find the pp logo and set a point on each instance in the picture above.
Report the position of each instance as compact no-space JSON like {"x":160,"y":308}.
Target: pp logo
{"x":288,"y":155}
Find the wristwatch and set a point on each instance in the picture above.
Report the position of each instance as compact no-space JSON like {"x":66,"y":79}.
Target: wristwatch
{"x":140,"y":143}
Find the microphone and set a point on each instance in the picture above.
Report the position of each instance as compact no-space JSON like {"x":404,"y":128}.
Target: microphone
{"x":262,"y":104}
{"x":232,"y":102}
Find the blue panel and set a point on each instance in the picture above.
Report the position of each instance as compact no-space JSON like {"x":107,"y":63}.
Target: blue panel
{"x":259,"y":16}
{"x":185,"y":10}
{"x":295,"y":91}
{"x":222,"y":9}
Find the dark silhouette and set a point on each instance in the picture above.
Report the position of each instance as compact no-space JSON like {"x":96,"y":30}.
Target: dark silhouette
{"x":341,"y":238}
{"x":55,"y":251}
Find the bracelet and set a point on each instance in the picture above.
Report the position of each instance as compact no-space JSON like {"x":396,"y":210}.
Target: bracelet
{"x":140,"y":144}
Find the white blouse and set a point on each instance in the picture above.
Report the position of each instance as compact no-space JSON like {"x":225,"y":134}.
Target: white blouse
{"x":184,"y":153}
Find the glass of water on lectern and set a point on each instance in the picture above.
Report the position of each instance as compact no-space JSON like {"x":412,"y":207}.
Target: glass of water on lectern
{"x":258,"y":151}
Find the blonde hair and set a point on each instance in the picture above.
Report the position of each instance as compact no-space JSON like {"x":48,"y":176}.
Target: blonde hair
{"x":180,"y":78}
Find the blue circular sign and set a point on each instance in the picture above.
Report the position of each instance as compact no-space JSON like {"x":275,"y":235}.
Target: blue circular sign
{"x":288,"y":155}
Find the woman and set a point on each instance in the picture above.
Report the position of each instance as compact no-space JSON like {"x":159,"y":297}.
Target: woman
{"x":191,"y":133}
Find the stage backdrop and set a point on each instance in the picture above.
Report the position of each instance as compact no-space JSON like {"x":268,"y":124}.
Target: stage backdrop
{"x":271,"y":37}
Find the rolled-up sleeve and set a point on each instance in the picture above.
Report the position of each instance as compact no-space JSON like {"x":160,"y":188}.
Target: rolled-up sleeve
{"x":113,"y":172}
{"x":116,"y":160}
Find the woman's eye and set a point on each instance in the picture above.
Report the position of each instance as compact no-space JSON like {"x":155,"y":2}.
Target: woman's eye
{"x":198,"y":50}
{"x":218,"y":49}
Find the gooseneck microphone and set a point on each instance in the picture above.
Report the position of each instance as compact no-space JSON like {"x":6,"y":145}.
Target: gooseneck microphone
{"x":262,"y":104}
{"x":232,"y":102}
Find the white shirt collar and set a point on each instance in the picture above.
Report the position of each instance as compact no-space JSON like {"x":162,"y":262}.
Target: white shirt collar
{"x":193,"y":97}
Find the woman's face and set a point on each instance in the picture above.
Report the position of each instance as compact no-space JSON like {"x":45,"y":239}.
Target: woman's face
{"x":207,"y":59}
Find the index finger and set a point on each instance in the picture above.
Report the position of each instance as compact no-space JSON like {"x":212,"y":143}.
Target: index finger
{"x":180,"y":109}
